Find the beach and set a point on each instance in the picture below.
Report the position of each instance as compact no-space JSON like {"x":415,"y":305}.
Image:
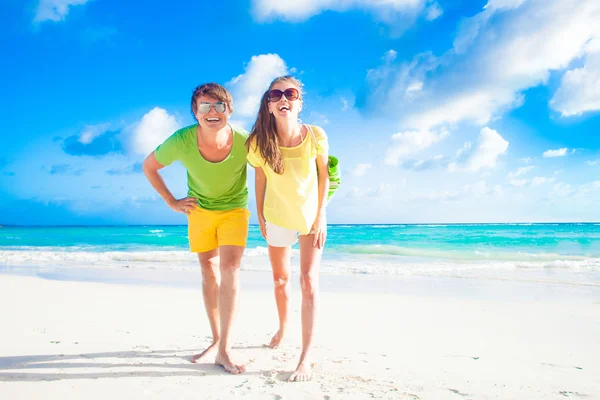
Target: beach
{"x":378,"y":337}
{"x":468,"y":311}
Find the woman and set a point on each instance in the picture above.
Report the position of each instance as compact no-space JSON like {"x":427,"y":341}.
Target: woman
{"x":291,"y":187}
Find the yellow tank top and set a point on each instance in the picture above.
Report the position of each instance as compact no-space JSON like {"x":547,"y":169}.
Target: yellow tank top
{"x":291,"y":199}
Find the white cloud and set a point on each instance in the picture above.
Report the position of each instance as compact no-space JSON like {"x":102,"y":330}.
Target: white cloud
{"x":247,"y":88}
{"x":579,"y":90}
{"x":356,"y":192}
{"x":587,"y":189}
{"x":593,"y":163}
{"x":561,"y":190}
{"x":406,"y":144}
{"x":434,"y":11}
{"x":540,"y":180}
{"x":302,"y":10}
{"x":474,"y":190}
{"x":507,"y":48}
{"x":54,"y":10}
{"x":476,"y":106}
{"x":90,"y":132}
{"x":520,"y":171}
{"x":438,"y":161}
{"x":537,"y":181}
{"x":414,"y":88}
{"x":464,"y":151}
{"x":556,"y":153}
{"x":383,"y":190}
{"x":318,"y":118}
{"x":490,"y":146}
{"x":518,"y":182}
{"x":503,"y":4}
{"x":361,"y":169}
{"x":390,"y":56}
{"x":344,"y":104}
{"x":154,"y":127}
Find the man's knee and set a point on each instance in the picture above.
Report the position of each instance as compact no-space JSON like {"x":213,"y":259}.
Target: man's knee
{"x":231,"y":258}
{"x":210,"y":270}
{"x":230,"y":266}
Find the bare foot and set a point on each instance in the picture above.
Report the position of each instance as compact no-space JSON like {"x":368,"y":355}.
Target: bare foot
{"x":206,"y":353}
{"x":277,"y":338}
{"x":224,"y":360}
{"x":303,"y":373}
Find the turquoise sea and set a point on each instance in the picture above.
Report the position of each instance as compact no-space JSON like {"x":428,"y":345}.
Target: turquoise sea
{"x":553,"y":252}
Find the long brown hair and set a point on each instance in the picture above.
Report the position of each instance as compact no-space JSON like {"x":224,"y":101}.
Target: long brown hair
{"x":264,"y":132}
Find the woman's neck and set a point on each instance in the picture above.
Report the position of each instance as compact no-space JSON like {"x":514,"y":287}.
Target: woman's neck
{"x":288,"y":132}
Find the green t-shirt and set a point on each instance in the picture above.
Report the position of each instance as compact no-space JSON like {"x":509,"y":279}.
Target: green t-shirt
{"x":217,"y":186}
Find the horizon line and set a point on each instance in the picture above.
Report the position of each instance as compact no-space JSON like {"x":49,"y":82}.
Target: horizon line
{"x":336,"y":224}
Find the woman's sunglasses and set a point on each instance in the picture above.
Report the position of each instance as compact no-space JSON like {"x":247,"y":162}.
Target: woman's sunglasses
{"x":219,"y":106}
{"x":290,"y":94}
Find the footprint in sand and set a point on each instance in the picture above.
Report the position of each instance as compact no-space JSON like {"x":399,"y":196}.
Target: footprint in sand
{"x":457,"y":392}
{"x":572,"y":394}
{"x":563,"y":366}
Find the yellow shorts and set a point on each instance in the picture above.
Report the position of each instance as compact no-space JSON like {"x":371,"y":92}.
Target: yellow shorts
{"x":208,"y":230}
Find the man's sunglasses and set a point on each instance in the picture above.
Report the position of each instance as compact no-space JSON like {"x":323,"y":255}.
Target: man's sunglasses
{"x":219,"y":106}
{"x":290,"y":94}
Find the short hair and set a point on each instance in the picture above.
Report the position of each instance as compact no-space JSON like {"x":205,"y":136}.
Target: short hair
{"x":213,"y":90}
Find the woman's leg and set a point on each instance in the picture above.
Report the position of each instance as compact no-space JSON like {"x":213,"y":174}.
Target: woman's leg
{"x":310,"y":260}
{"x":280,"y":263}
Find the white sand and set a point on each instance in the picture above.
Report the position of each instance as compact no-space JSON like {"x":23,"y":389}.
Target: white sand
{"x":107,"y":341}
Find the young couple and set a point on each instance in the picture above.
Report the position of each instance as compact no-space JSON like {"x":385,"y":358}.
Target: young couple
{"x":291,"y":189}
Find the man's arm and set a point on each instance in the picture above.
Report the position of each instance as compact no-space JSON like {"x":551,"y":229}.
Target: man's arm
{"x":150,"y":168}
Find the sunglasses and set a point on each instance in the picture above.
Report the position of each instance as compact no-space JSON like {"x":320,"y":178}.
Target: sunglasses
{"x":290,"y":94}
{"x":219,"y":106}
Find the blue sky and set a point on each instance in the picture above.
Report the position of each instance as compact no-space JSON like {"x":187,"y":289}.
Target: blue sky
{"x":440,"y":111}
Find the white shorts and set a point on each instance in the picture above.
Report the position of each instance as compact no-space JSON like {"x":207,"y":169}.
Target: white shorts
{"x":280,"y":237}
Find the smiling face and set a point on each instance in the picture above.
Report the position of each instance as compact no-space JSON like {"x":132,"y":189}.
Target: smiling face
{"x":213,"y":119}
{"x":285,"y":108}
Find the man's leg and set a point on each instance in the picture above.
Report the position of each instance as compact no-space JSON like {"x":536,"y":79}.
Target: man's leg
{"x":228,"y":303}
{"x":209,"y":262}
{"x":280,"y":263}
{"x":310,"y":260}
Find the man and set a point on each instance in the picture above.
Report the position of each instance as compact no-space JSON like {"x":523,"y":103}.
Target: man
{"x":214,"y":155}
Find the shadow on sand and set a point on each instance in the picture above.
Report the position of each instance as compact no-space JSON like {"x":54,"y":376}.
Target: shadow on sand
{"x":120,"y":364}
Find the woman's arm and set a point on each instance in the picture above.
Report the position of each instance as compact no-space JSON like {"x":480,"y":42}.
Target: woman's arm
{"x":320,"y":224}
{"x":260,"y":186}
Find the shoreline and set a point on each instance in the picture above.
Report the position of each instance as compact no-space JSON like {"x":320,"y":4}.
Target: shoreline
{"x":446,"y":286}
